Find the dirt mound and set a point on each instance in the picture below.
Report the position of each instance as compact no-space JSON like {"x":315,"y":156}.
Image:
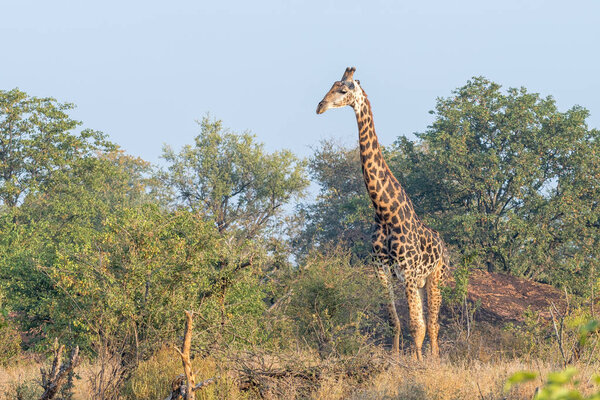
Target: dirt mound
{"x":504,"y":298}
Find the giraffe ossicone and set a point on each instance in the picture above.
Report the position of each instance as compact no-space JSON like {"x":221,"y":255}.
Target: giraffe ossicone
{"x":403,"y":246}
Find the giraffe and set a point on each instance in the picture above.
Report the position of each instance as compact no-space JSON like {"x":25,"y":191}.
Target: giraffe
{"x":403,"y":246}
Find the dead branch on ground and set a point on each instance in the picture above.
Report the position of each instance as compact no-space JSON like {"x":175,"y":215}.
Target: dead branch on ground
{"x":268,"y":374}
{"x":53,"y":379}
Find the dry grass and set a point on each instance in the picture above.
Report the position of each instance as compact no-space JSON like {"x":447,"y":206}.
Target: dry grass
{"x":23,"y":377}
{"x":21,"y":372}
{"x":405,"y":380}
{"x":152,"y":379}
{"x":443,"y":380}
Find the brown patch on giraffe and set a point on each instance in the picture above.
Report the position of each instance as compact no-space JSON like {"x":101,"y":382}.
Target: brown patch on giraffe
{"x":384,"y":198}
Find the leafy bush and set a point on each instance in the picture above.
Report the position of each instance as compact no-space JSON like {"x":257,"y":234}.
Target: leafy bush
{"x":558,"y":385}
{"x":334,"y":303}
{"x":563,"y":338}
{"x":10,"y":341}
{"x":25,"y":390}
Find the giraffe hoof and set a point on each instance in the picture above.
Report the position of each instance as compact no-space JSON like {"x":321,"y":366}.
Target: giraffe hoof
{"x":417,"y":355}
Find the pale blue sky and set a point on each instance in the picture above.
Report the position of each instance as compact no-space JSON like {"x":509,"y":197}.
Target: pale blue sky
{"x":144,"y":71}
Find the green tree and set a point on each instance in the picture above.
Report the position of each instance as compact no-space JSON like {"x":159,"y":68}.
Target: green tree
{"x":92,"y":258}
{"x":232,"y":179}
{"x":37,"y":138}
{"x":509,"y":177}
{"x":67,"y":215}
{"x":342,"y":212}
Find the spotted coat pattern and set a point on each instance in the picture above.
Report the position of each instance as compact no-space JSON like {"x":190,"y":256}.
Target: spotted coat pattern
{"x":404,"y":247}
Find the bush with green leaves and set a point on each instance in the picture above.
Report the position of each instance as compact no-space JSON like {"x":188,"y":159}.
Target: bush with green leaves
{"x":334,"y":304}
{"x":10,"y":341}
{"x":562,"y":339}
{"x":561,"y":385}
{"x":558,"y":386}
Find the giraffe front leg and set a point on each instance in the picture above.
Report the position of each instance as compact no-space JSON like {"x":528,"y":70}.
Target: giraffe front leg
{"x":383,"y":272}
{"x":415,"y":310}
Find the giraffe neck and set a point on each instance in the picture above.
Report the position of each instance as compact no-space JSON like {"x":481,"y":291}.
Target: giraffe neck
{"x":376,"y":173}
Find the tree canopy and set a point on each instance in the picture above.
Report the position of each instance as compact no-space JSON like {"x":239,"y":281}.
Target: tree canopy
{"x":508,"y":178}
{"x":231,"y":178}
{"x":38,"y":138}
{"x":342,"y":210}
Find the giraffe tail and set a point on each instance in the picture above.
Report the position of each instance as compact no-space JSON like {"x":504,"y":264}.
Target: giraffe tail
{"x":446,"y":273}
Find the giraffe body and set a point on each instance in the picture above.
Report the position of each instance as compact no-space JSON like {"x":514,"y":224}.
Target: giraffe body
{"x":403,"y":246}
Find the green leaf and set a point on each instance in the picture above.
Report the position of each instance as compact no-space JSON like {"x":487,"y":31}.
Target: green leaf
{"x":519,"y":377}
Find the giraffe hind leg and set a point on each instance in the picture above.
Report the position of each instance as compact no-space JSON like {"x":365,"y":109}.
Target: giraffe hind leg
{"x":434,"y":301}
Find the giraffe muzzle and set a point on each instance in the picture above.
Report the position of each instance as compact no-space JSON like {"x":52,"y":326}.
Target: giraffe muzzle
{"x":322,"y":107}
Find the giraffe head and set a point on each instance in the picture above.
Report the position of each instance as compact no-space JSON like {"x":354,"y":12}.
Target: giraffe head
{"x":343,"y":93}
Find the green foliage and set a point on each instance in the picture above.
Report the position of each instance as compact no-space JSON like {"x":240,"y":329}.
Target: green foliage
{"x":232,"y":179}
{"x":519,"y":377}
{"x":334,"y":303}
{"x":54,"y":231}
{"x":564,"y":339}
{"x":511,"y":178}
{"x":342,"y":212}
{"x":148,"y":268}
{"x":37,"y":140}
{"x":24,"y":390}
{"x":558,"y":385}
{"x":132,"y":280}
{"x":10,"y":341}
{"x":534,"y":336}
{"x":587,"y":329}
{"x":455,"y":296}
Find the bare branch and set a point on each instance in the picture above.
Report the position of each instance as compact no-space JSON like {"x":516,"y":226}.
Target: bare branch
{"x":184,"y":386}
{"x":557,"y":333}
{"x":55,"y":378}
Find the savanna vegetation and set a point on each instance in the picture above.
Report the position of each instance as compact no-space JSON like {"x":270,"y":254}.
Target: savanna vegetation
{"x":104,"y":252}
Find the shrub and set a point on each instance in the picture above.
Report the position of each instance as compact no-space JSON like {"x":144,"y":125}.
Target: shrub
{"x":152,"y":378}
{"x":334,"y":303}
{"x":25,"y":390}
{"x":10,"y":341}
{"x":558,"y":385}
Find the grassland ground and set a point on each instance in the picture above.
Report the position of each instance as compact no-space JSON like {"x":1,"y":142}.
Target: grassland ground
{"x":370,"y":375}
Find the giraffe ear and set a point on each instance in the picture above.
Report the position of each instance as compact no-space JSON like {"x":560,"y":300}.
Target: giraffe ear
{"x":348,"y":74}
{"x":357,"y":81}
